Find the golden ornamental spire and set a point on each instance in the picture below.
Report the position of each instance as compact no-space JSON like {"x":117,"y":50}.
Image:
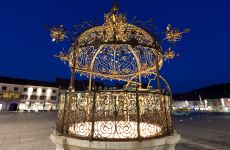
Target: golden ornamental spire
{"x":115,"y":6}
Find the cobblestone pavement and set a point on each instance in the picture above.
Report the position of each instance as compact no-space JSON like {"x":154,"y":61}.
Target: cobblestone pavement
{"x":30,"y":131}
{"x":26,"y":131}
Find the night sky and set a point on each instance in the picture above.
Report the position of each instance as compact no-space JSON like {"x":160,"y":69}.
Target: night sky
{"x":26,"y":48}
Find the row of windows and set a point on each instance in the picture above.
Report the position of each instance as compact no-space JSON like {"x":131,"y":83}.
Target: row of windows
{"x":34,"y":97}
{"x":4,"y":88}
{"x":35,"y":90}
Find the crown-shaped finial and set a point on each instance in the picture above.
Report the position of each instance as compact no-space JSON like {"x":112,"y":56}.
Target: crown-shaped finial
{"x":115,"y":6}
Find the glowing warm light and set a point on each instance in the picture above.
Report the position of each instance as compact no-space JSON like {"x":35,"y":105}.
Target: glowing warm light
{"x":39,"y":91}
{"x":186,"y":103}
{"x":116,"y":50}
{"x":22,"y":106}
{"x":112,"y":129}
{"x":48,"y":92}
{"x":206,"y":103}
{"x":30,"y":90}
{"x":222,"y":102}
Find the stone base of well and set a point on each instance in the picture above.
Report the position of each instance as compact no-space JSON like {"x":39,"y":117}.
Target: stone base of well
{"x":163,"y":143}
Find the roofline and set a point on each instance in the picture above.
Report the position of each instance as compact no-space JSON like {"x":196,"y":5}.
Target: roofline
{"x":20,"y":81}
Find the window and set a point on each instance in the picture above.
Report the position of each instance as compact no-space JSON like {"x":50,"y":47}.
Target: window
{"x":15,"y":89}
{"x":34,"y":90}
{"x":23,"y":96}
{"x":43,"y":90}
{"x":54,"y":91}
{"x":53,"y":97}
{"x":33,"y":97}
{"x":42,"y":97}
{"x":25,"y":89}
{"x":4,"y":88}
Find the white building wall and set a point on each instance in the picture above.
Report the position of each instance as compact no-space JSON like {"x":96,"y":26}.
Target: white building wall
{"x":31,"y":97}
{"x":222,"y":104}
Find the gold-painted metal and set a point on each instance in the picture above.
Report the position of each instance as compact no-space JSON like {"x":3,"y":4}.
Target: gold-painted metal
{"x":169,"y":54}
{"x":58,"y":33}
{"x":115,"y":117}
{"x":116,"y":50}
{"x":174,"y":34}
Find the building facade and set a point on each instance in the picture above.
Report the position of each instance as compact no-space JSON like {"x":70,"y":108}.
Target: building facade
{"x":31,"y":95}
{"x":27,"y":95}
{"x":219,"y":105}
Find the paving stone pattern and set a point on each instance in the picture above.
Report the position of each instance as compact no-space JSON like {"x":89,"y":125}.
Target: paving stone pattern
{"x":30,"y":131}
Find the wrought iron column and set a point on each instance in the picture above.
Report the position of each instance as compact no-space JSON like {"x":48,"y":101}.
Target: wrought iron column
{"x":158,"y":74}
{"x":64,"y":113}
{"x":138,"y":114}
{"x":72,"y":80}
{"x":93,"y":115}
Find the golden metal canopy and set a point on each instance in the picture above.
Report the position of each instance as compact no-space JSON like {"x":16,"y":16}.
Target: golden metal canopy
{"x":115,"y":50}
{"x":121,"y":51}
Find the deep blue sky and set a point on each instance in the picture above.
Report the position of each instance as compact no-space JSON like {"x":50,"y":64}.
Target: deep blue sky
{"x":26,"y":48}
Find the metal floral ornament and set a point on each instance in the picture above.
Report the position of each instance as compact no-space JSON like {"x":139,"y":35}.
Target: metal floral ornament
{"x":174,"y":34}
{"x":170,"y":54}
{"x":58,"y":33}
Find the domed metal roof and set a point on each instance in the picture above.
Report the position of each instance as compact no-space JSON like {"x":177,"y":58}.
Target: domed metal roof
{"x":116,"y":50}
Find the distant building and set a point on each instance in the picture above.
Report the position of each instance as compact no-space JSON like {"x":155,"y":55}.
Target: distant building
{"x":32,"y":95}
{"x":21,"y":94}
{"x":221,"y":105}
{"x":213,"y":98}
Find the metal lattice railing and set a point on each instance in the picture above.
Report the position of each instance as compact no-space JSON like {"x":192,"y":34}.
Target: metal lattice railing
{"x":114,"y":115}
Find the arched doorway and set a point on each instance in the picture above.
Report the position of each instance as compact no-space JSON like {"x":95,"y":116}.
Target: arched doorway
{"x":13,"y":107}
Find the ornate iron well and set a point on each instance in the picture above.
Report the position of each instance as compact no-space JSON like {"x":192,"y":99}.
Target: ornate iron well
{"x":116,"y":50}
